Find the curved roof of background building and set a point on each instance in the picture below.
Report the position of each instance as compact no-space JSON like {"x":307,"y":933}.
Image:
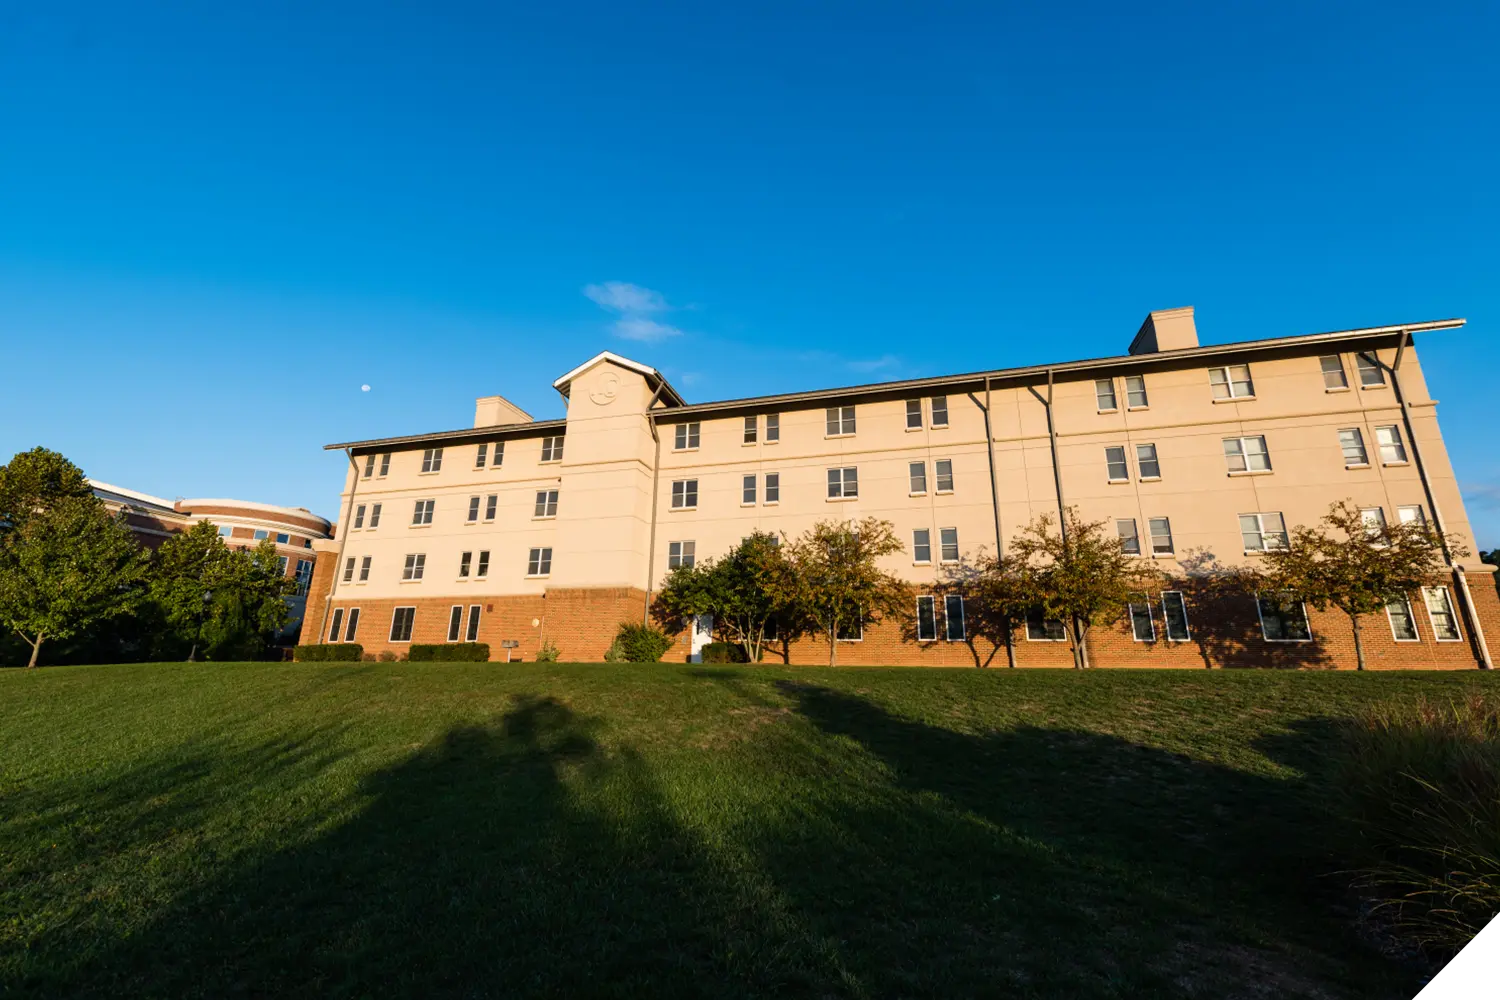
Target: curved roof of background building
{"x":292,"y":516}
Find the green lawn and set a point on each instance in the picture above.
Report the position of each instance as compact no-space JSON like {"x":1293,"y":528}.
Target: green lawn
{"x":653,"y":831}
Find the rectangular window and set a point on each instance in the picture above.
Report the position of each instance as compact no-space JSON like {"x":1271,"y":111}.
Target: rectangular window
{"x":1353,"y":444}
{"x":921,"y":545}
{"x":681,"y":554}
{"x":1146,"y":461}
{"x":338,"y":625}
{"x":455,"y":622}
{"x":473,"y":631}
{"x":913,"y":414}
{"x":1411,"y":515}
{"x":415,"y":566}
{"x":481,"y":456}
{"x":1333,"y":372}
{"x":546,"y":503}
{"x":953,"y":618}
{"x":490,"y":503}
{"x":1174,"y":615}
{"x":497,"y":455}
{"x":473,"y":510}
{"x":1104,"y":393}
{"x":1142,"y":625}
{"x":851,"y":631}
{"x":1039,"y":629}
{"x":1403,"y":623}
{"x":1370,"y":372}
{"x":349,"y":570}
{"x":364,"y":570}
{"x":752,"y":426}
{"x":840,"y":420}
{"x":261,"y":535}
{"x":552,"y":449}
{"x":281,"y":563}
{"x":539,"y":562}
{"x":685,"y":494}
{"x":1114,"y":462}
{"x":369,"y":466}
{"x":375,"y":515}
{"x":1130,"y":541}
{"x":385,"y":465}
{"x":917,"y":475}
{"x":1282,"y":620}
{"x":401,"y":623}
{"x":948,"y":539}
{"x":773,"y":487}
{"x":432,"y":460}
{"x":482,"y":568}
{"x":1263,"y":531}
{"x":747,"y":489}
{"x":1440,"y":613}
{"x":926,"y":619}
{"x":773,"y":428}
{"x":1231,"y":382}
{"x":304,"y":576}
{"x":465,"y":562}
{"x":943,"y":471}
{"x":843,"y":484}
{"x":283,"y":539}
{"x":351,"y":631}
{"x":421,"y":512}
{"x":1391,"y":447}
{"x":1247,"y":454}
{"x":1161,"y":536}
{"x":225,"y":531}
{"x":1374,"y":522}
{"x":939,"y":411}
{"x":1135,"y":391}
{"x":686,"y":436}
{"x":359,"y":517}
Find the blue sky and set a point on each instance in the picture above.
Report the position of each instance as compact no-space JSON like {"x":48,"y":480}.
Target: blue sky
{"x":218,"y":222}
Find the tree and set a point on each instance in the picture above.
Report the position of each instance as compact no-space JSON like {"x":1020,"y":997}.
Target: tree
{"x":65,"y":568}
{"x":746,"y":591}
{"x":1355,"y":565}
{"x":1075,"y":573}
{"x":997,"y":593}
{"x":33,"y":481}
{"x":221,"y":600}
{"x":837,"y":580}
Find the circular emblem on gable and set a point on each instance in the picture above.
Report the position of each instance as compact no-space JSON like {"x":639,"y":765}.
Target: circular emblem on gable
{"x":609,"y":388}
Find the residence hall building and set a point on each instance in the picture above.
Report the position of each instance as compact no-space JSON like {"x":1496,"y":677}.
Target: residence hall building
{"x":517,"y":532}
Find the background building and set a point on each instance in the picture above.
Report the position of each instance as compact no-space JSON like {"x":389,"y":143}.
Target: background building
{"x":527,"y":531}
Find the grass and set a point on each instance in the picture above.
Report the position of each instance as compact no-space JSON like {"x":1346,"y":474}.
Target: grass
{"x":625,"y":830}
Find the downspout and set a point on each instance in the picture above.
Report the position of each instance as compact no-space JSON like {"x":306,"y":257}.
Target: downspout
{"x":655,"y":499}
{"x":338,"y":562}
{"x":989,"y":446}
{"x":1482,"y":649}
{"x":1062,"y":512}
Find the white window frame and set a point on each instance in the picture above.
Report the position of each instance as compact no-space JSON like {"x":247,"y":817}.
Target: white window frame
{"x":482,"y":565}
{"x":481,"y":454}
{"x":415,"y":567}
{"x":773,"y":489}
{"x":471,"y":629}
{"x":1260,"y":616}
{"x":369,"y":466}
{"x":1374,"y":367}
{"x":491,"y":506}
{"x":1412,"y":514}
{"x":1260,"y":522}
{"x":938,"y":477}
{"x":860,"y":624}
{"x":1229,"y":383}
{"x":385,"y":466}
{"x":687,"y":436}
{"x":432,"y":461}
{"x":259,"y":535}
{"x":934,"y":420}
{"x":913,"y":411}
{"x":1359,"y":441}
{"x":421,"y":513}
{"x":455,"y":622}
{"x":552,"y":449}
{"x":932,"y":613}
{"x":752,"y":430}
{"x":348,"y":570}
{"x":375,"y":515}
{"x":283,"y":538}
{"x":963,"y":623}
{"x":411,"y":622}
{"x":1171,"y":549}
{"x":842,"y":477}
{"x":917,"y":546}
{"x":1110,"y":464}
{"x":338,"y":625}
{"x":681,"y":492}
{"x":1104,"y":388}
{"x":1452,"y":612}
{"x":472,"y":517}
{"x":842,"y":417}
{"x":497,"y":454}
{"x":465,"y":564}
{"x":1130,"y":607}
{"x":541,"y":557}
{"x":1411,"y":616}
{"x":1166,"y":620}
{"x":1140,"y":463}
{"x":913,"y":471}
{"x":1044,"y":637}
{"x":1125,"y":540}
{"x":225,"y":531}
{"x":943,"y":546}
{"x":1337,"y":369}
{"x":1375,"y":526}
{"x":359,"y":519}
{"x":682,"y":553}
{"x":364,"y":570}
{"x":545,"y":507}
{"x":1244,"y":455}
{"x":1397,"y":442}
{"x":1140,"y":387}
{"x":351,"y":625}
{"x":749,"y":490}
{"x":773,"y":428}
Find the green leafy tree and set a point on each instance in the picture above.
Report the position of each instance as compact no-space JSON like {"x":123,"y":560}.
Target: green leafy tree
{"x":997,"y":594}
{"x":1356,"y":566}
{"x":223,"y":601}
{"x":837,"y":580}
{"x":65,"y":569}
{"x":33,"y":481}
{"x":746,"y":591}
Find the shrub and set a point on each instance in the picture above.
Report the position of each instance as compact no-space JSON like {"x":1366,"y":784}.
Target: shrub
{"x":615,"y":653}
{"x":387,"y":657}
{"x":329,"y":652}
{"x":723,"y":652}
{"x":548,"y":653}
{"x":642,"y":643}
{"x":1421,"y":787}
{"x":451,"y":652}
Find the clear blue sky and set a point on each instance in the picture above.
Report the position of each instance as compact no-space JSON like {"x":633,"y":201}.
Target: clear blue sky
{"x":217,"y":224}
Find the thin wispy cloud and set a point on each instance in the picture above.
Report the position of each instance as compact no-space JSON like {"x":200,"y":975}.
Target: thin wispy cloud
{"x":634,"y":306}
{"x":868,"y":365}
{"x":1485,"y":495}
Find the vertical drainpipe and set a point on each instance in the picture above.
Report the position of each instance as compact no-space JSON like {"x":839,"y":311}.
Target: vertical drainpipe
{"x":989,"y":445}
{"x":655,"y":494}
{"x":1461,"y":580}
{"x":1062,"y":511}
{"x":338,"y":560}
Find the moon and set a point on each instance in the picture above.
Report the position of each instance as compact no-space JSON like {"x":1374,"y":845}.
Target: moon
{"x":364,"y":388}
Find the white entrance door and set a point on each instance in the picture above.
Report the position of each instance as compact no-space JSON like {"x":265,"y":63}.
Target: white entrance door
{"x":703,"y":634}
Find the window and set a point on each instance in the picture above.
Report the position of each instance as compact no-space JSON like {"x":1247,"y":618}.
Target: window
{"x":686,"y":436}
{"x":364,"y":570}
{"x":1161,"y":536}
{"x":473,"y":631}
{"x":773,"y":428}
{"x":681,"y":554}
{"x":1440,"y":613}
{"x":948,"y":539}
{"x":1174,"y":615}
{"x":351,"y":632}
{"x":953,"y":618}
{"x":1142,"y":625}
{"x":1130,"y":542}
{"x":369,"y":466}
{"x":490,"y":503}
{"x":1333,"y":372}
{"x":943,"y":469}
{"x":1403,"y":623}
{"x":685,"y":494}
{"x":926,"y":619}
{"x":552,"y":449}
{"x":851,"y":631}
{"x":473,"y":510}
{"x":1146,"y":462}
{"x":281,"y":564}
{"x":481,"y":456}
{"x":283,"y":538}
{"x":349,"y":570}
{"x":539,"y":562}
{"x":359,"y":518}
{"x":1411,"y":515}
{"x":773,"y":487}
{"x":751,"y":427}
{"x":921,"y":545}
{"x":1263,"y":531}
{"x":1039,"y":629}
{"x":421,"y":512}
{"x":1247,"y":454}
{"x":843,"y":484}
{"x":307,"y":543}
{"x":338,"y":625}
{"x":455,"y":622}
{"x":913,"y":414}
{"x":1374,"y":522}
{"x":1135,"y":391}
{"x":225,"y":530}
{"x":262,"y":534}
{"x":1114,"y":461}
{"x":546,"y":503}
{"x":415,"y":566}
{"x":747,"y":489}
{"x":401,"y":623}
{"x":432,"y":460}
{"x":1370,"y":372}
{"x":1104,"y":393}
{"x":917,"y":472}
{"x":465,"y":562}
{"x":939,"y":411}
{"x":1282,"y":619}
{"x":375,"y":515}
{"x":1391,"y":448}
{"x":385,"y":464}
{"x":497,"y":455}
{"x":1231,"y":382}
{"x":1353,"y":444}
{"x":840,"y":420}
